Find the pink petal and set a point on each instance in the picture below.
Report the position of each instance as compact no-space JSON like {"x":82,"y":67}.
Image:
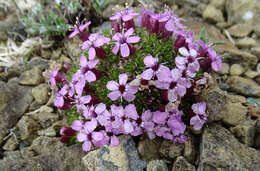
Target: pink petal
{"x":133,"y":39}
{"x":163,"y":74}
{"x":59,"y":101}
{"x":117,"y":36}
{"x":129,"y":97}
{"x":90,"y":76}
{"x":123,"y":79}
{"x":97,"y":136}
{"x":129,"y":32}
{"x":86,"y":45}
{"x":147,"y":115}
{"x":127,"y":17}
{"x":170,"y":26}
{"x":160,"y":117}
{"x":91,"y":53}
{"x":130,"y":111}
{"x":86,"y":146}
{"x":92,"y":64}
{"x":124,"y":50}
{"x":131,"y":89}
{"x":85,"y":99}
{"x":81,"y":137}
{"x":172,"y":96}
{"x":147,"y":74}
{"x":149,"y":61}
{"x":128,"y":127}
{"x":193,"y":53}
{"x":74,"y":33}
{"x":115,"y":48}
{"x":90,"y":126}
{"x":82,"y":27}
{"x":112,"y":85}
{"x":162,"y":85}
{"x":115,"y":17}
{"x":77,"y":125}
{"x":83,"y":61}
{"x":100,"y":108}
{"x":114,"y":141}
{"x":114,"y":95}
{"x":184,"y":52}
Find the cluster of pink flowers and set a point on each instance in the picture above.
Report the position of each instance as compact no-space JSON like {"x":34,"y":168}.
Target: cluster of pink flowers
{"x":100,"y":124}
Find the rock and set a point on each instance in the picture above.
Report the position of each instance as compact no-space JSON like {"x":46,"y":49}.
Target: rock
{"x":233,"y":113}
{"x":27,"y":128}
{"x":251,"y":74}
{"x":232,"y":98}
{"x":31,"y":77}
{"x":15,"y":100}
{"x":182,"y":165}
{"x":49,"y":132}
{"x":40,"y":93}
{"x":220,"y":150}
{"x":45,"y":154}
{"x":225,"y":69}
{"x":236,"y":69}
{"x":253,"y":101}
{"x":72,"y":47}
{"x":244,"y":86}
{"x":33,"y":106}
{"x":170,"y":150}
{"x":216,"y":100}
{"x":240,"y":30}
{"x":256,"y":51}
{"x":11,"y":144}
{"x":46,"y":119}
{"x":149,"y":149}
{"x":241,"y":57}
{"x":257,"y":141}
{"x":239,"y":11}
{"x":121,"y":157}
{"x":46,"y":53}
{"x":157,"y":165}
{"x":39,"y":62}
{"x":245,"y":132}
{"x":219,"y":4}
{"x":246,"y":42}
{"x":7,"y":25}
{"x":257,"y":29}
{"x":14,"y":71}
{"x":190,"y":149}
{"x":212,"y":14}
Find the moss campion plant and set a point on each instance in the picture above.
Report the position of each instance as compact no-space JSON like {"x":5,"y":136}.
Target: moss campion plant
{"x":140,"y":80}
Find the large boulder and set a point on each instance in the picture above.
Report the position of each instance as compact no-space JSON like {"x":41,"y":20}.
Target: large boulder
{"x":220,"y":150}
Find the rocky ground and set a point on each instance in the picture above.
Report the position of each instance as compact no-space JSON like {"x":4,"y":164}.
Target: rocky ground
{"x":230,"y":141}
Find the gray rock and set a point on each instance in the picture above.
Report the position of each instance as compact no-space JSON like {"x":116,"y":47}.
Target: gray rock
{"x":245,"y":132}
{"x":241,"y":57}
{"x":236,"y":69}
{"x":239,"y":11}
{"x":39,"y":62}
{"x":121,"y":157}
{"x":72,"y":47}
{"x":257,"y":29}
{"x":219,"y":4}
{"x":31,"y":77}
{"x":240,"y":30}
{"x":190,"y":149}
{"x":157,"y":165}
{"x":45,"y":154}
{"x":256,"y":51}
{"x":14,"y":101}
{"x":225,"y":69}
{"x":251,"y":74}
{"x":213,"y":14}
{"x":149,"y":149}
{"x":7,"y":25}
{"x":246,"y":43}
{"x":46,"y":119}
{"x":220,"y":150}
{"x":182,"y":165}
{"x":11,"y":144}
{"x":244,"y":86}
{"x":27,"y":128}
{"x":40,"y":93}
{"x":233,"y":113}
{"x":170,"y":150}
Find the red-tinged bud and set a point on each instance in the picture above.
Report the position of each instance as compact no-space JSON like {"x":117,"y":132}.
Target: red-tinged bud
{"x":65,"y":139}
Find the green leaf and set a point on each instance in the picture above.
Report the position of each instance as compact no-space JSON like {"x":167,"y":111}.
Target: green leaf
{"x":203,"y":35}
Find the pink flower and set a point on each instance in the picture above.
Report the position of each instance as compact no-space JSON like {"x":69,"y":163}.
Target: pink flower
{"x":93,"y":44}
{"x":160,"y":117}
{"x":124,"y":42}
{"x":56,"y":77}
{"x":86,"y":68}
{"x":155,"y":69}
{"x":216,"y":61}
{"x":80,"y":30}
{"x":81,"y":101}
{"x":121,"y":89}
{"x":172,"y":22}
{"x":175,"y":123}
{"x":200,"y":117}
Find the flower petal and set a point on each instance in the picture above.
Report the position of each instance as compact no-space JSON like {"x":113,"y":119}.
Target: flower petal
{"x":114,"y":95}
{"x":184,"y":52}
{"x":129,"y":32}
{"x":97,"y":136}
{"x":86,"y":146}
{"x":101,"y":107}
{"x":90,"y":126}
{"x":91,"y":53}
{"x":74,"y":33}
{"x":112,"y":85}
{"x":114,"y":141}
{"x":124,"y":50}
{"x":149,"y":61}
{"x":116,"y":48}
{"x":81,"y":137}
{"x":123,"y":79}
{"x":83,"y":61}
{"x":147,"y":74}
{"x":170,"y":26}
{"x":90,"y":76}
{"x":128,"y":127}
{"x":76,"y":125}
{"x":129,"y":97}
{"x":132,"y":39}
{"x":130,"y":112}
